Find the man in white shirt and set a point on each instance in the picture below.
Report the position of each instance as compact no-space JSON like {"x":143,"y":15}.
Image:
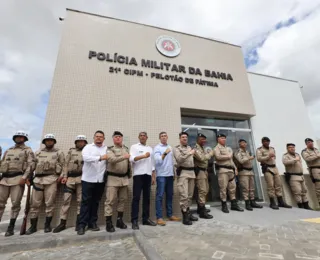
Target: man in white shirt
{"x":93,"y":172}
{"x":141,"y":157}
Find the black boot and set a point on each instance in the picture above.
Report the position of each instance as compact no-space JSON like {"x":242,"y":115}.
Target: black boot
{"x":255,"y":205}
{"x":76,"y":228}
{"x":109,"y":225}
{"x":198,"y":209}
{"x":248,"y":205}
{"x":283,"y":204}
{"x":120,"y":223}
{"x":191,"y":217}
{"x":235,"y":206}
{"x":273,"y":204}
{"x":33,"y":228}
{"x":135,"y":225}
{"x":47,"y":226}
{"x":10,"y":228}
{"x":300,"y":205}
{"x":306,"y":205}
{"x":204,"y":214}
{"x":224,"y":207}
{"x":60,"y":227}
{"x":186,"y":218}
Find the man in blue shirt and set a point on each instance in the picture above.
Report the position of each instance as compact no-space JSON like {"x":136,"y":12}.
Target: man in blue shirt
{"x":165,"y":175}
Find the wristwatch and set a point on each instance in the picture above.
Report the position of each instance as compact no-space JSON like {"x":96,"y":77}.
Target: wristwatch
{"x":164,"y":153}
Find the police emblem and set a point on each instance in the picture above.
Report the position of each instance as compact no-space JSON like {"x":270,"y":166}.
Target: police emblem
{"x":168,"y":46}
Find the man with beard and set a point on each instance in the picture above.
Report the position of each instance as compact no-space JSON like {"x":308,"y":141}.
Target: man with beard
{"x":294,"y":176}
{"x":71,"y":177}
{"x":266,"y":155}
{"x":16,"y":165}
{"x":49,"y":163}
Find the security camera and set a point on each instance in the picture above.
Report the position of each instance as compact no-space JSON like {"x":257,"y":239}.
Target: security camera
{"x":61,"y":18}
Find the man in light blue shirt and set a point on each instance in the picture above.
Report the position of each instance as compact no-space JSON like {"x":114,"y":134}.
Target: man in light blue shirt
{"x":165,"y":174}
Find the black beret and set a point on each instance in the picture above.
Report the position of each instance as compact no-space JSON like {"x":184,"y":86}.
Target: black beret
{"x":117,"y":133}
{"x":183,"y":133}
{"x":242,"y":140}
{"x":308,"y":140}
{"x":265,"y":139}
{"x":202,"y":135}
{"x":290,"y":144}
{"x":221,"y":135}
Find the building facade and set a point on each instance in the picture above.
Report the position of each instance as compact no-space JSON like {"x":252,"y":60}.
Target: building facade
{"x":117,"y":75}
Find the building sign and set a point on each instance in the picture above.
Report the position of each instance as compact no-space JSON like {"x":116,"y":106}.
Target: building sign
{"x":168,"y":46}
{"x":161,"y":70}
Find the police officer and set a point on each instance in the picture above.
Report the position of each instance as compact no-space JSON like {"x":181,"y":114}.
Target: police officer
{"x":183,"y":155}
{"x":71,"y":177}
{"x":49,"y":163}
{"x":243,"y":161}
{"x":227,"y":172}
{"x":266,"y":155}
{"x":312,"y":157}
{"x":294,"y":176}
{"x":201,"y":159}
{"x":16,"y":165}
{"x":118,"y":172}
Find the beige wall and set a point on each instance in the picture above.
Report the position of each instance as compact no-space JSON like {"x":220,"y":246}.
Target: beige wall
{"x":85,"y":97}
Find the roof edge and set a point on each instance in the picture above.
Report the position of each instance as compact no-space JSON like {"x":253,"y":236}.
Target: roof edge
{"x":269,"y":76}
{"x":152,"y":26}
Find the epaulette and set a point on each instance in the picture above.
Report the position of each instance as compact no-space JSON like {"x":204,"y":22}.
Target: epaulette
{"x":72,"y":148}
{"x":177,"y":146}
{"x":125,"y":147}
{"x":110,"y":147}
{"x":305,"y":149}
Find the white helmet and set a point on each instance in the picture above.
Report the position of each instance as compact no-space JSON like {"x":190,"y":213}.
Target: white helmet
{"x":81,"y":138}
{"x":20,"y":133}
{"x":49,"y":136}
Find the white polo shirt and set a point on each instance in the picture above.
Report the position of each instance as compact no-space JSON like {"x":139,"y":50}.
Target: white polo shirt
{"x":143,"y":166}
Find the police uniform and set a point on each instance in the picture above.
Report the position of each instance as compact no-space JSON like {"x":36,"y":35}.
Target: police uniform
{"x":118,"y":172}
{"x":312,"y":158}
{"x":49,"y":163}
{"x":226,"y":175}
{"x":201,"y":159}
{"x":271,"y":175}
{"x":72,"y":170}
{"x":294,"y":176}
{"x":246,"y":177}
{"x":17,"y":163}
{"x":185,"y":180}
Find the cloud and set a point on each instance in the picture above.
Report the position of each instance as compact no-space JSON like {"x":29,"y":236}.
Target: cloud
{"x":277,"y":37}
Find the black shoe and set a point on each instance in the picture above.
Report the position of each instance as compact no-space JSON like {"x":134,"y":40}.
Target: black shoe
{"x":186,"y":218}
{"x":33,"y":228}
{"x":10,"y":230}
{"x":235,"y":206}
{"x":273,"y":204}
{"x":198,"y":209}
{"x":204,"y":214}
{"x":248,"y":205}
{"x":61,"y":226}
{"x":135,"y":225}
{"x":300,"y":205}
{"x":306,"y":205}
{"x":149,"y":222}
{"x":47,"y":225}
{"x":224,"y":207}
{"x":191,"y":217}
{"x":120,"y":224}
{"x":94,"y":227}
{"x":255,"y":205}
{"x":81,"y":231}
{"x":283,"y":204}
{"x":109,"y":225}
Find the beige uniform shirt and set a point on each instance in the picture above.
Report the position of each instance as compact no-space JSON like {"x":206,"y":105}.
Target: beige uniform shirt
{"x":243,"y":157}
{"x":263,"y":157}
{"x":48,"y":162}
{"x":118,"y":164}
{"x":183,"y":158}
{"x":293,"y":166}
{"x":222,"y":155}
{"x":18,"y":158}
{"x":73,"y":164}
{"x":312,"y":157}
{"x":201,"y":158}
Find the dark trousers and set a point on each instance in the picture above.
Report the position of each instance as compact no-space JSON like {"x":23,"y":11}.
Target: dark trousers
{"x":141,"y":183}
{"x":164,"y":185}
{"x":91,"y":196}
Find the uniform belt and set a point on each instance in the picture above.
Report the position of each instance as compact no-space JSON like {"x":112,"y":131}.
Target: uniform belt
{"x":121,"y":175}
{"x":74,"y":174}
{"x":245,"y":168}
{"x":298,"y":174}
{"x":11,"y":174}
{"x":271,"y":165}
{"x":187,"y":168}
{"x":314,"y":167}
{"x":43,"y":174}
{"x":202,"y":169}
{"x":224,"y":166}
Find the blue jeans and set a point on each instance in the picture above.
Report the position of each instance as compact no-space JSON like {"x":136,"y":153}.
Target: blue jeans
{"x":164,"y":185}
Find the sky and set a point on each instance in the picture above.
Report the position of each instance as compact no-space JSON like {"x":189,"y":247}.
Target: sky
{"x":278,"y":38}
